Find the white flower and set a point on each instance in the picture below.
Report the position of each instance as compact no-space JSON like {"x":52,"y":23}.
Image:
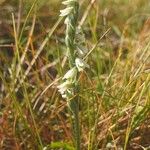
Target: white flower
{"x":81,"y":64}
{"x":68,"y":93}
{"x":63,"y":87}
{"x":64,"y":95}
{"x":71,"y":74}
{"x":66,"y":11}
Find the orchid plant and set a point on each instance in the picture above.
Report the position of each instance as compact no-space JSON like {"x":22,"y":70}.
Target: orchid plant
{"x":76,"y":51}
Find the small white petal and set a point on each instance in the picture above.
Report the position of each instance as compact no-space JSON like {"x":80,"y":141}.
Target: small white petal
{"x":63,"y":87}
{"x":80,"y":64}
{"x":62,"y":91}
{"x":64,"y":96}
{"x":71,"y":74}
{"x":66,"y":11}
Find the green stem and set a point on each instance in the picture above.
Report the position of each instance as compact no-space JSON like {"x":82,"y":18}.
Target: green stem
{"x":74,"y":106}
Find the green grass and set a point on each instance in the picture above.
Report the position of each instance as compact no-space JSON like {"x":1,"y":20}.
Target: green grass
{"x":114,"y":92}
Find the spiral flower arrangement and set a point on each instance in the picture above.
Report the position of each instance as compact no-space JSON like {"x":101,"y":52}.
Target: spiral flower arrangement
{"x":76,"y":49}
{"x":74,"y":41}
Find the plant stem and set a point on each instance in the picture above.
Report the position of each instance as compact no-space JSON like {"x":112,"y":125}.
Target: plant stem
{"x":71,"y":24}
{"x":74,"y":106}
